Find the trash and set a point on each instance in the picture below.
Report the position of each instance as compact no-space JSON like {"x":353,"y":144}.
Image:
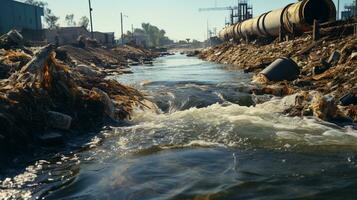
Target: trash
{"x":59,"y":121}
{"x":324,"y":66}
{"x":318,"y":70}
{"x":282,"y":69}
{"x":12,"y":39}
{"x":347,"y":50}
{"x":353,"y":55}
{"x":349,"y":99}
{"x":334,"y":58}
{"x":316,"y":73}
{"x":47,"y":89}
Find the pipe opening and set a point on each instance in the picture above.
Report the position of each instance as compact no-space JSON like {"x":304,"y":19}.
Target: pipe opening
{"x":320,"y":10}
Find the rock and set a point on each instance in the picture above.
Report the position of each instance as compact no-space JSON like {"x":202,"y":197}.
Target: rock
{"x":134,"y":63}
{"x":150,"y":63}
{"x":6,"y":124}
{"x":282,"y":69}
{"x":324,"y":107}
{"x":193,"y":53}
{"x":59,"y":121}
{"x":4,"y":71}
{"x":86,"y":70}
{"x":108,"y":104}
{"x":302,"y":83}
{"x":52,"y":138}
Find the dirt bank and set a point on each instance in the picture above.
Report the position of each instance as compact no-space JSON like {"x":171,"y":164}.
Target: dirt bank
{"x":328,"y":69}
{"x":49,"y":93}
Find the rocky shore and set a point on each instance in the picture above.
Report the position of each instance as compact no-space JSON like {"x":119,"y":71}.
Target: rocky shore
{"x":325,"y":85}
{"x":50,"y":93}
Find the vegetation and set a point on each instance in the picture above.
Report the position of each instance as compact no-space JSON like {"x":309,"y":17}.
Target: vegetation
{"x":52,"y":20}
{"x":70,"y":20}
{"x":84,"y":22}
{"x":150,"y":35}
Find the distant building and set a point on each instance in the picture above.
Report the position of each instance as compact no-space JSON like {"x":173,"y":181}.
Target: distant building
{"x":105,"y":38}
{"x":347,"y":14}
{"x":17,"y":15}
{"x":65,"y":35}
{"x":69,"y":35}
{"x":140,"y":39}
{"x":350,"y":11}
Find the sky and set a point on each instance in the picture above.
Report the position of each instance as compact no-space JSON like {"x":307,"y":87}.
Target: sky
{"x":179,"y":18}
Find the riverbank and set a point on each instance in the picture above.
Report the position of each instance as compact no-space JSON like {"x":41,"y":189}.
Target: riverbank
{"x":48,"y":94}
{"x":326,"y":86}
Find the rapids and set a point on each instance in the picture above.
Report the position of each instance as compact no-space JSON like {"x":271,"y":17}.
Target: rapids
{"x":208,"y":138}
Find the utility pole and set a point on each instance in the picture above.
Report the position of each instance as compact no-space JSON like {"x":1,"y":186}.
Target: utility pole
{"x":338,"y":9}
{"x":91,"y":19}
{"x":232,"y":17}
{"x":207,"y":30}
{"x":132,"y":32}
{"x":122,"y":31}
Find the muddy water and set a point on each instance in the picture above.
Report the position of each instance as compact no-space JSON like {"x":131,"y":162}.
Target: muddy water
{"x":207,"y":140}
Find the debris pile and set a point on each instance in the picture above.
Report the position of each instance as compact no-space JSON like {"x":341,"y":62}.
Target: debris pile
{"x":325,"y":70}
{"x":136,"y":53}
{"x":48,"y":93}
{"x":11,"y":39}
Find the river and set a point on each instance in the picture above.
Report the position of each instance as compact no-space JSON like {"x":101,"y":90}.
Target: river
{"x":208,"y":139}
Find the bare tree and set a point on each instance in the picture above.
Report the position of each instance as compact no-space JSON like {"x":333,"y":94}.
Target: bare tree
{"x":70,"y":20}
{"x":50,"y":19}
{"x":84,"y":22}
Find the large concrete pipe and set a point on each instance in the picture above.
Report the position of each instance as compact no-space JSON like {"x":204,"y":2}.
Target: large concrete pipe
{"x":293,"y":17}
{"x":272,"y":22}
{"x":303,"y":14}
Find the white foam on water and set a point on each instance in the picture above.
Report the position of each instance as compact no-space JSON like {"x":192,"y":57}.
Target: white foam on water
{"x":233,"y":125}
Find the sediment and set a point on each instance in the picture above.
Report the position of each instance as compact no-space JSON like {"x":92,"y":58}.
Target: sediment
{"x":49,"y":92}
{"x":328,"y":69}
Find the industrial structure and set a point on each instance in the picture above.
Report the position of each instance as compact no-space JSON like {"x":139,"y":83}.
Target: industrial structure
{"x":18,"y":15}
{"x":350,"y":11}
{"x":294,"y":18}
{"x":237,"y":13}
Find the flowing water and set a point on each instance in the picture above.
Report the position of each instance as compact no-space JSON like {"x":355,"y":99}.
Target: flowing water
{"x":209,"y":139}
